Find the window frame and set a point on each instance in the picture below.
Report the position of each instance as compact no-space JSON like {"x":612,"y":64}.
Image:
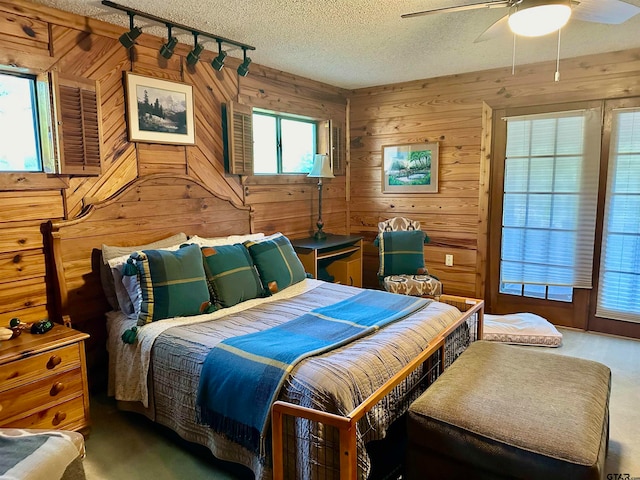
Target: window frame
{"x":40,"y":113}
{"x":279,"y":116}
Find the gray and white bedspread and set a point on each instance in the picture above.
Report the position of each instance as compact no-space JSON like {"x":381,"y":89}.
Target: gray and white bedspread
{"x":40,"y":454}
{"x":337,"y":381}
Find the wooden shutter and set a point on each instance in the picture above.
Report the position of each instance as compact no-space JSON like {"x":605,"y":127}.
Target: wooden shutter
{"x":79,"y":131}
{"x":239,"y":131}
{"x":338,"y":148}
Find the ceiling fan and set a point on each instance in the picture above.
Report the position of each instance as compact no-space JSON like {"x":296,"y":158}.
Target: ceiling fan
{"x":539,"y":17}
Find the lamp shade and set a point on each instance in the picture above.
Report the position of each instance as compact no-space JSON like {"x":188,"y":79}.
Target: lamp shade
{"x":321,"y":167}
{"x":536,"y":18}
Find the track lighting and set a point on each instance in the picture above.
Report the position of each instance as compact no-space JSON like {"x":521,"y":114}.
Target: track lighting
{"x":194,"y":55}
{"x":128,"y":39}
{"x":218,"y":62}
{"x":166,"y":50}
{"x":243,"y":68}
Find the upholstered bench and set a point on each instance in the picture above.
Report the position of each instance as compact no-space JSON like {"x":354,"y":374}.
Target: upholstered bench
{"x":504,"y":411}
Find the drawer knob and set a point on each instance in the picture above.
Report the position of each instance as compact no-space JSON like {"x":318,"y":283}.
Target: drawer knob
{"x":53,"y":362}
{"x":56,"y":388}
{"x":59,"y":418}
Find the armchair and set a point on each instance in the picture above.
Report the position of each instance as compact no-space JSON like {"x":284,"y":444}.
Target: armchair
{"x":400,"y":246}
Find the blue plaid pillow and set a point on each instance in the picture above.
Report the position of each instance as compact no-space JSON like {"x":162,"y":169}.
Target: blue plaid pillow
{"x":231,"y":274}
{"x":401,"y":253}
{"x":173,"y":283}
{"x":277,"y":263}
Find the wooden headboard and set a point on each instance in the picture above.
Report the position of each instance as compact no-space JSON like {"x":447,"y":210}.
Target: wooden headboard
{"x":147,"y":209}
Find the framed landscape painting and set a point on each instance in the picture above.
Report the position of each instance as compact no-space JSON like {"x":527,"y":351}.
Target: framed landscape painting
{"x":159,"y":111}
{"x":410,"y":168}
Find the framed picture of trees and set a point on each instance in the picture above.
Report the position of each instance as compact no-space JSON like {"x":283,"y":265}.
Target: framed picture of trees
{"x":159,"y":111}
{"x":410,"y":168}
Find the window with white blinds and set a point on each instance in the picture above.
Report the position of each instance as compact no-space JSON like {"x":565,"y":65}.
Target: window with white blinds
{"x":619,"y":285}
{"x":550,"y":199}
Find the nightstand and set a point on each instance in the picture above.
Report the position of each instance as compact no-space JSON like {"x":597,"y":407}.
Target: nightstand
{"x":337,"y":258}
{"x":43,"y":381}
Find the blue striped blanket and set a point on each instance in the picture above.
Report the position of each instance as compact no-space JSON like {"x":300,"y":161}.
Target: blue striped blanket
{"x":242,"y":376}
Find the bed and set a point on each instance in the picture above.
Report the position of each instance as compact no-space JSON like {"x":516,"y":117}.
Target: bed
{"x":331,"y":407}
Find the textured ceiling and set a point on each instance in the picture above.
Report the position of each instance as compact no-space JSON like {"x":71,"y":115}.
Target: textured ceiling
{"x":360,"y":43}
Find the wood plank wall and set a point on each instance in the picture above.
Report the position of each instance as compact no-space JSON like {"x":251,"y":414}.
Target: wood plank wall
{"x":455,"y":111}
{"x":451,"y":110}
{"x":40,"y":39}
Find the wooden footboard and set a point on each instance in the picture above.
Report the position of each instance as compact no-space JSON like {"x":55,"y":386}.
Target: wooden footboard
{"x":434,"y":356}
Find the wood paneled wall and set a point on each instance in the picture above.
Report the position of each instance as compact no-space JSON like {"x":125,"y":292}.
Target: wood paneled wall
{"x":40,"y":39}
{"x":454,"y":110}
{"x":457,"y":111}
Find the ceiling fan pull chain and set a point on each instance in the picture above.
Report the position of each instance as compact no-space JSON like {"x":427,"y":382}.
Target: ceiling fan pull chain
{"x":513,"y":56}
{"x":557,"y":77}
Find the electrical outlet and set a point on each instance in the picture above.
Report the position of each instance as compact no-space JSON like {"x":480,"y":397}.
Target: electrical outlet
{"x":448,"y":260}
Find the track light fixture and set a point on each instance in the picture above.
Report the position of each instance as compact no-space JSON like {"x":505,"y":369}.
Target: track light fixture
{"x":166,"y":50}
{"x":128,"y":39}
{"x":194,"y":55}
{"x":218,"y":62}
{"x":243,"y":68}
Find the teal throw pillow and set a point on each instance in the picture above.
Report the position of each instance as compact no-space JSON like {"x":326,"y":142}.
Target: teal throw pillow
{"x":173,"y":283}
{"x":401,"y":253}
{"x":277,"y":263}
{"x":231,"y":274}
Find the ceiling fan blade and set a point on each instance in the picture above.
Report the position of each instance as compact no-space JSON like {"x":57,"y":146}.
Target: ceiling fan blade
{"x":604,"y":11}
{"x":460,"y":8}
{"x":498,"y":29}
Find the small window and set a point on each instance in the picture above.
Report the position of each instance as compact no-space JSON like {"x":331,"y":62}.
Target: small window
{"x":545,"y":292}
{"x":19,"y":126}
{"x":282,"y":144}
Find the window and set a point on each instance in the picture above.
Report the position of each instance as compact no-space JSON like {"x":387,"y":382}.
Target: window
{"x":549,"y":204}
{"x":619,"y":286}
{"x":19,"y":126}
{"x":282,"y":144}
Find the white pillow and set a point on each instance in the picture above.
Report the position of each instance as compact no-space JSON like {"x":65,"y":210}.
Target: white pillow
{"x":229,"y":240}
{"x":521,"y":329}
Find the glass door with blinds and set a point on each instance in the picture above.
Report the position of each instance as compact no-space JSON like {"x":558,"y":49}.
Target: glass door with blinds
{"x":565,"y":215}
{"x":616,"y":298}
{"x":543,"y":213}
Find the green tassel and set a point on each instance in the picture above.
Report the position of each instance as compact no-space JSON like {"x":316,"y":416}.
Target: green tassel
{"x":129,"y":336}
{"x":129,"y":269}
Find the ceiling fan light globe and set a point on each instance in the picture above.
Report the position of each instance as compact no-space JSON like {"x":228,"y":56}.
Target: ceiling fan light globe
{"x":539,"y":20}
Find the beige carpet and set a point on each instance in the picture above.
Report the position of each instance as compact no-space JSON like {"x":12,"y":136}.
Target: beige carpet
{"x":128,"y":446}
{"x":622,"y":356}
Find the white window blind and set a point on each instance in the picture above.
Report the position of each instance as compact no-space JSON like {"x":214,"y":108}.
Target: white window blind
{"x":619,"y":286}
{"x":550,"y":198}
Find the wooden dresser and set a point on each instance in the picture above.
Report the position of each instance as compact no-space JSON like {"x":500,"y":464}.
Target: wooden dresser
{"x":43,"y":381}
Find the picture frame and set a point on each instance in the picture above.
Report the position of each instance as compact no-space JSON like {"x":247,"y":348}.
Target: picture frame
{"x":410,"y":168}
{"x":159,"y":111}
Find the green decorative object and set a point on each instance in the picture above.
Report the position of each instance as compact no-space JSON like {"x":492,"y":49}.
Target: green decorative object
{"x":129,"y":269}
{"x":14,"y":322}
{"x":129,"y":336}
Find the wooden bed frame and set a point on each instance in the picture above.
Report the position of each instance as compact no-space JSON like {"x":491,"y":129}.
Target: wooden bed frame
{"x":146,"y":210}
{"x":157,"y":206}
